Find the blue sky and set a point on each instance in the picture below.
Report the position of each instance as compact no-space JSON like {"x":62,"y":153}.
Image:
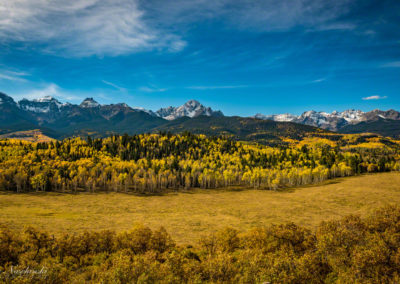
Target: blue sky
{"x":240,"y":56}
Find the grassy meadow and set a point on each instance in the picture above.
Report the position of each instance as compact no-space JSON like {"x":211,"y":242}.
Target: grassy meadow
{"x":189,"y":215}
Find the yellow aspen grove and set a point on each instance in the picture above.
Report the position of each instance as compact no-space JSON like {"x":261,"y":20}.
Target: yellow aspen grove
{"x":150,"y":163}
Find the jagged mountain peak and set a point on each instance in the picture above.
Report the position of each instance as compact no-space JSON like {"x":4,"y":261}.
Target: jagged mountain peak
{"x":286,"y":117}
{"x":46,"y":99}
{"x":191,"y":108}
{"x":41,"y":105}
{"x":193,"y":104}
{"x":335,"y":120}
{"x":88,"y":103}
{"x":4,"y":99}
{"x":48,"y":111}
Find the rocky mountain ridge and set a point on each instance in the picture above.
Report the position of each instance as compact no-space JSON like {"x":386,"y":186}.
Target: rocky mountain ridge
{"x":190,"y":109}
{"x":333,"y":121}
{"x":91,"y":118}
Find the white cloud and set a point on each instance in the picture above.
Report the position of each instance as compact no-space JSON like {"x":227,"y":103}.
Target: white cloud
{"x":152,"y":89}
{"x":114,"y":85}
{"x":52,"y":90}
{"x":319,"y":80}
{"x":83,"y":27}
{"x":10,"y":77}
{"x":336,"y":26}
{"x":376,"y":97}
{"x":266,"y":15}
{"x":114,"y":27}
{"x":394,"y":64}
{"x":13,"y":75}
{"x":216,"y":87}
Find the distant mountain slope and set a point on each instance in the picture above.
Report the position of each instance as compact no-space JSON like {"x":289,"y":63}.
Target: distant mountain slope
{"x":336,"y":120}
{"x":12,"y":118}
{"x":60,"y":120}
{"x":35,"y":135}
{"x":239,"y":127}
{"x":104,"y":120}
{"x":384,"y":127}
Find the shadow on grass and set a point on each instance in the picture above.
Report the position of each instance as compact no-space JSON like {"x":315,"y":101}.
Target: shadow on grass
{"x":186,"y":191}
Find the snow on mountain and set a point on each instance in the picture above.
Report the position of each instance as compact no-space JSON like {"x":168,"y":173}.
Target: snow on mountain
{"x":190,"y":109}
{"x":314,"y":118}
{"x":389,"y":114}
{"x":287,"y":117}
{"x":50,"y":109}
{"x":350,"y":115}
{"x":89,"y":103}
{"x":45,"y":99}
{"x":41,"y":105}
{"x":330,"y":121}
{"x":166,"y":112}
{"x":152,"y":113}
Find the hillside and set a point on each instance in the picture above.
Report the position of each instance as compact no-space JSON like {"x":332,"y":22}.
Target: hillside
{"x":60,"y":120}
{"x":91,"y":123}
{"x":240,"y":128}
{"x":156,"y":163}
{"x":335,"y":121}
{"x":384,"y":127}
{"x":30,"y":135}
{"x":12,"y":118}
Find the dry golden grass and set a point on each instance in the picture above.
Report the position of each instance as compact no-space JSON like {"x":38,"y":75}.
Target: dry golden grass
{"x":35,"y":135}
{"x":187,"y":216}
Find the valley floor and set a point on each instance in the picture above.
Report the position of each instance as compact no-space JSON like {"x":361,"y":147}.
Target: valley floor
{"x":188,"y":216}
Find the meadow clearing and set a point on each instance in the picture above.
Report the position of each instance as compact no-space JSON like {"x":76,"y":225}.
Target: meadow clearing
{"x":189,"y":215}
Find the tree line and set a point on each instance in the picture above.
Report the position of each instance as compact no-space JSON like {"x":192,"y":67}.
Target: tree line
{"x":151,"y":163}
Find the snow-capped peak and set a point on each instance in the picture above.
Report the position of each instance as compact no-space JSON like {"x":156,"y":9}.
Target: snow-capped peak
{"x":152,"y":113}
{"x":40,"y":105}
{"x":277,"y":117}
{"x":192,"y":104}
{"x":48,"y":99}
{"x":191,"y":109}
{"x":88,"y":103}
{"x":331,"y":121}
{"x":351,"y":115}
{"x":45,"y":99}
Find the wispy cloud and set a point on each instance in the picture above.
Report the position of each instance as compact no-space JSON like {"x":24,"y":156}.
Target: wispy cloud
{"x":319,"y":80}
{"x":152,"y":89}
{"x":336,"y":26}
{"x":216,"y":87}
{"x":10,"y":78}
{"x":266,"y":15}
{"x":13,"y":75}
{"x":83,"y":27}
{"x":114,"y":85}
{"x":115,"y":27}
{"x":376,"y":97}
{"x":51,"y":89}
{"x":394,"y":64}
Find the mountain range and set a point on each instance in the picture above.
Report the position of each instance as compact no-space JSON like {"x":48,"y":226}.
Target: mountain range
{"x":59,"y":120}
{"x":334,"y":121}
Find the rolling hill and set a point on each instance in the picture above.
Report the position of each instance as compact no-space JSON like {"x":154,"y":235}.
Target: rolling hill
{"x":249,"y":129}
{"x":384,"y":127}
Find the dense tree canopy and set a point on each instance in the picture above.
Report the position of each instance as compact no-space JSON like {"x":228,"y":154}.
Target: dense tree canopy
{"x":159,"y":162}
